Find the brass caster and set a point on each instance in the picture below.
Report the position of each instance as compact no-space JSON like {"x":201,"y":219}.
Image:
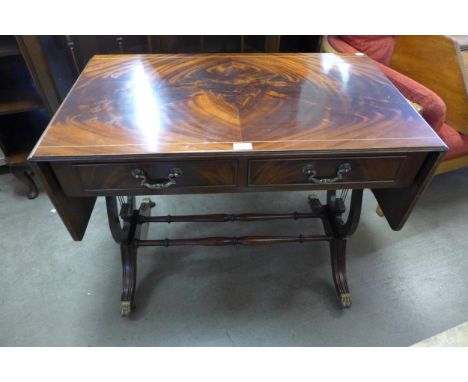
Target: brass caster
{"x":313,"y":196}
{"x":125,"y":308}
{"x":346,"y":300}
{"x":149,"y":201}
{"x":379,"y":211}
{"x":314,"y":202}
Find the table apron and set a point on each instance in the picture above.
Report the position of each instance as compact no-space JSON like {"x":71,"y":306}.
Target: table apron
{"x":233,"y":175}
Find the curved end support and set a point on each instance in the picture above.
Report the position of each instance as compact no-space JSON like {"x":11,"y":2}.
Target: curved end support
{"x":338,"y":263}
{"x":126,"y":234}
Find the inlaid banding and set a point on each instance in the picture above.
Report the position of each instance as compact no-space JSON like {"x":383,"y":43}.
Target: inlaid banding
{"x":172,"y":102}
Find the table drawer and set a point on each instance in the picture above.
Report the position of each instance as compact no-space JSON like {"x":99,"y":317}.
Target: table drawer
{"x":385,"y":170}
{"x":156,"y":175}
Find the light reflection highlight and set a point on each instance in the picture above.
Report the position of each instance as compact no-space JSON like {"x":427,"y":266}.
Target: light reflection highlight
{"x":332,"y":61}
{"x":147,"y":106}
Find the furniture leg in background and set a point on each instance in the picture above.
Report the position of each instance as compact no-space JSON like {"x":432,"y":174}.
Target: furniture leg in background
{"x":27,"y":100}
{"x":25,"y":175}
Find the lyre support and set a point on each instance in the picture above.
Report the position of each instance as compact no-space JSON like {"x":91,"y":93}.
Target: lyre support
{"x":338,"y":229}
{"x":129,"y":228}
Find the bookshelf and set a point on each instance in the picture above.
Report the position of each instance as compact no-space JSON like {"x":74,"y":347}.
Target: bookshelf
{"x":23,"y":112}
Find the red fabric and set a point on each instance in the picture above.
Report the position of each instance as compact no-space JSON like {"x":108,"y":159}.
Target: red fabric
{"x":434,"y":108}
{"x":379,"y":48}
{"x":457,"y":143}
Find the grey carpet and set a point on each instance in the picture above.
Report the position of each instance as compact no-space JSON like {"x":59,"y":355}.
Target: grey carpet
{"x":406,"y":286}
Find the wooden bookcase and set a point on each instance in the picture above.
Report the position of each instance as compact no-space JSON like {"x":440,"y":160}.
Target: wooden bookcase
{"x":23,"y":112}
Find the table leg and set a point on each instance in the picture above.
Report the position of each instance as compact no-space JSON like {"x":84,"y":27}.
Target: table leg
{"x":129,"y":269}
{"x":333,"y":224}
{"x":126,"y":231}
{"x":129,"y":228}
{"x":24,"y":174}
{"x":338,"y":261}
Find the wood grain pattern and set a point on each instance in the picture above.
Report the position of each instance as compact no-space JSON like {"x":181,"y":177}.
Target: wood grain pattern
{"x":382,"y":171}
{"x":118,"y":176}
{"x":237,"y":174}
{"x":175,"y":104}
{"x":187,"y":111}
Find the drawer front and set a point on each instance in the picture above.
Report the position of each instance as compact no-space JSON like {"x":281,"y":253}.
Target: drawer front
{"x":123,"y":176}
{"x":363,"y":171}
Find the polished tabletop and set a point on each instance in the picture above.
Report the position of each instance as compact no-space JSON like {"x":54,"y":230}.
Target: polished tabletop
{"x":162,"y":104}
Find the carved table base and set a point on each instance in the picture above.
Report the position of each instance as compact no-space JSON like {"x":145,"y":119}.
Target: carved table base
{"x":129,"y":228}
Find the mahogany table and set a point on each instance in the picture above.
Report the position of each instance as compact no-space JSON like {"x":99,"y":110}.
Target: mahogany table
{"x":205,"y":123}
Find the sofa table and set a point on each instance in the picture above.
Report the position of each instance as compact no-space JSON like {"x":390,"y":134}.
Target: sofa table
{"x":220,"y":123}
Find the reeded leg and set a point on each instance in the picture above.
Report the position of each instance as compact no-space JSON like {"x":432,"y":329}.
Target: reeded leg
{"x":338,"y":262}
{"x":129,"y":263}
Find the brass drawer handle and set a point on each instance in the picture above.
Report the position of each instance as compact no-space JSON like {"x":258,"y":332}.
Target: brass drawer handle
{"x":159,"y":183}
{"x":343,"y":169}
